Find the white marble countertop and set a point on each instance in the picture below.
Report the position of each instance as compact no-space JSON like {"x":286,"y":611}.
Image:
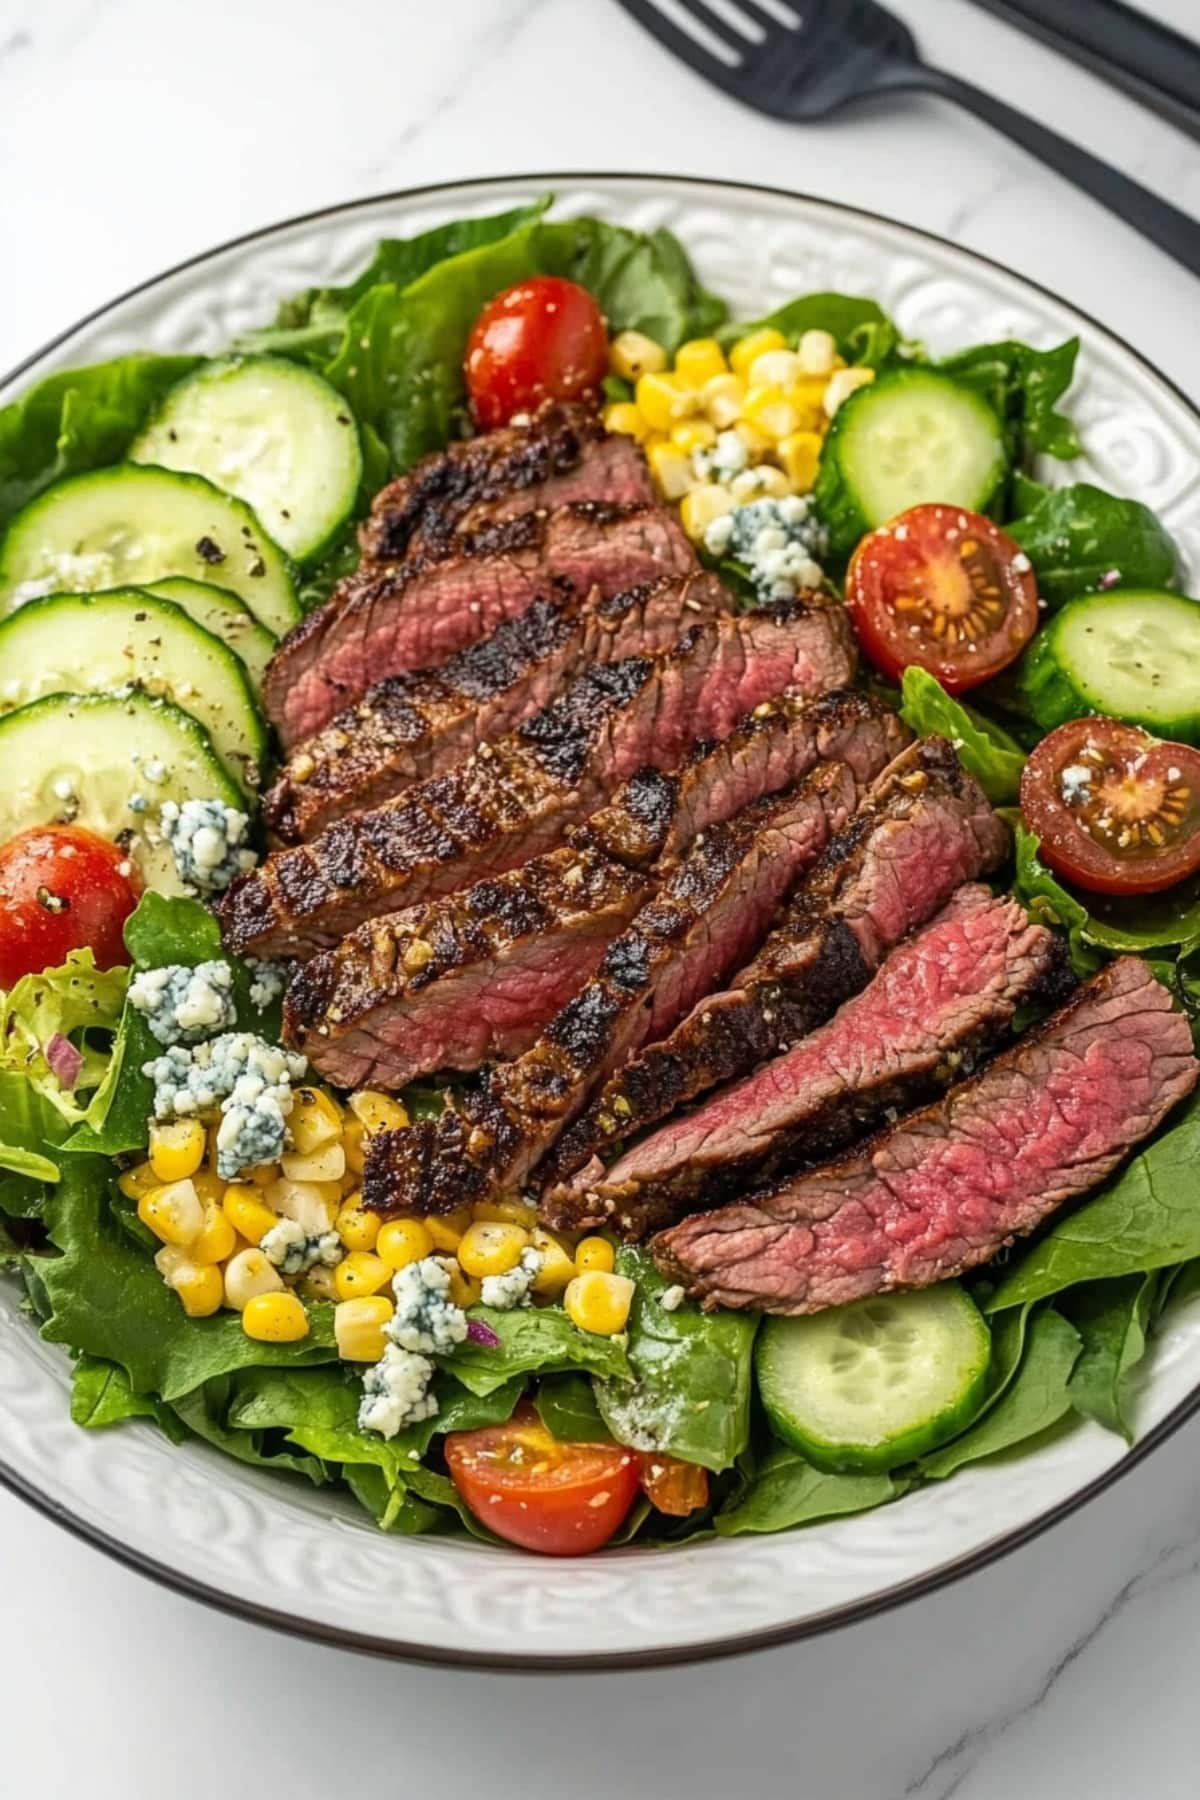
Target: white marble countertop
{"x":134,"y":133}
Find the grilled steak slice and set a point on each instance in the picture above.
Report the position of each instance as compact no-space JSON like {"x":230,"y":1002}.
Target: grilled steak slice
{"x":924,"y":828}
{"x":492,"y":965}
{"x":941,"y":999}
{"x":515,"y":799}
{"x":944,"y":1190}
{"x":703,"y":918}
{"x":563,"y":455}
{"x":387,"y":620}
{"x":410,"y":725}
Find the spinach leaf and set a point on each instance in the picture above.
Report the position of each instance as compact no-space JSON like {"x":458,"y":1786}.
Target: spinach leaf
{"x":532,"y":1341}
{"x":1146,"y":1216}
{"x":1112,"y":1318}
{"x":787,"y":1491}
{"x":691,"y":1375}
{"x":78,"y":419}
{"x":392,"y":1508}
{"x":863,"y":330}
{"x":986,"y":752}
{"x":1024,"y":386}
{"x":1079,"y":536}
{"x":1149,"y":922}
{"x":567,"y":1408}
{"x":1037,"y":1398}
{"x":101,"y":1395}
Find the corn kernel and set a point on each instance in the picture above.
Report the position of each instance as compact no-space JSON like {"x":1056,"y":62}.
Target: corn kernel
{"x":319,"y":1283}
{"x":757,"y":443}
{"x":209,"y":1186}
{"x":403,"y":1241}
{"x":817,"y":351}
{"x":599,"y":1303}
{"x":663,"y":400}
{"x":248,"y":1213}
{"x":464,"y":1290}
{"x":770,"y":409}
{"x":247,"y":1274}
{"x":491,"y":1248}
{"x":175,"y":1214}
{"x":137,"y":1181}
{"x":595,"y":1253}
{"x":275,"y":1319}
{"x":377,"y":1112}
{"x":216,"y":1239}
{"x":176,"y":1149}
{"x":808,"y":398}
{"x":699,"y":360}
{"x":632,"y":354}
{"x":698,"y":509}
{"x":763,"y":482}
{"x":315,"y":1119}
{"x":693,"y":434}
{"x":446,"y":1229}
{"x":800,"y":453}
{"x":775,"y":368}
{"x":843,"y":383}
{"x":755,"y":344}
{"x":326,"y":1164}
{"x":624,"y":418}
{"x":672,"y":470}
{"x":359,"y":1274}
{"x":507,"y":1212}
{"x":558,"y":1267}
{"x":360,"y":1328}
{"x":313,"y":1204}
{"x":721,"y":398}
{"x":353,"y":1137}
{"x":199,"y":1285}
{"x":357,"y":1228}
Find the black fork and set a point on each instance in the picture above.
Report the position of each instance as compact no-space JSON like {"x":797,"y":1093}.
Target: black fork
{"x":805,"y":59}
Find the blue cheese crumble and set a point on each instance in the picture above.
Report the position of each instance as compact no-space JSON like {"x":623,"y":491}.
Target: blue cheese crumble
{"x":293,"y":1249}
{"x":396,"y":1392}
{"x":425,"y":1319}
{"x":727,"y":457}
{"x":267,"y":981}
{"x":513,"y":1288}
{"x":209,"y":842}
{"x":779,"y":541}
{"x":250,"y":1080}
{"x":182,"y":1005}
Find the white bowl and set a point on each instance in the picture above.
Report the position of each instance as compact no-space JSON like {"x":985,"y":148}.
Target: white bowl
{"x":274,"y":1552}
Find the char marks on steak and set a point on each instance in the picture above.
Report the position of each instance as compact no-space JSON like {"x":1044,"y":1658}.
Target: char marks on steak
{"x":704,"y":917}
{"x":941,"y":1000}
{"x":409,"y":726}
{"x":563,"y":455}
{"x":944,"y":1190}
{"x":924,"y":828}
{"x":516,"y":798}
{"x":386,"y":620}
{"x":507,"y":953}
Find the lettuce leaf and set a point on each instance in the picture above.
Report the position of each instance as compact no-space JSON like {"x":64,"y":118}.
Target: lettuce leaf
{"x":1103,"y":924}
{"x":566,"y":1405}
{"x":1112,"y":1318}
{"x":1024,"y":386}
{"x":985,"y":750}
{"x":786,"y":1491}
{"x":1077,"y":536}
{"x":66,"y":1001}
{"x":1037,"y":1399}
{"x":533,"y":1340}
{"x":863,"y":330}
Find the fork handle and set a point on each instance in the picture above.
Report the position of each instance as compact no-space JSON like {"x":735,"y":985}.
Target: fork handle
{"x":1172,"y":230}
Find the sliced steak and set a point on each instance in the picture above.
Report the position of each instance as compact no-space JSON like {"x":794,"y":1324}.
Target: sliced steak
{"x":516,"y":798}
{"x":387,"y":620}
{"x":409,"y":726}
{"x":924,"y":828}
{"x":946,"y":1189}
{"x":563,"y":455}
{"x":941,"y":999}
{"x":704,"y":917}
{"x":476,"y":975}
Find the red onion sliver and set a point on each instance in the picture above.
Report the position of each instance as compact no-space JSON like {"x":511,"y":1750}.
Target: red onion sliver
{"x":479,"y":1333}
{"x":64,"y":1059}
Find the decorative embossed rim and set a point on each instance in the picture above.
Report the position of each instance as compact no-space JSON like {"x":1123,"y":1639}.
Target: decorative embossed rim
{"x":734,"y":1643}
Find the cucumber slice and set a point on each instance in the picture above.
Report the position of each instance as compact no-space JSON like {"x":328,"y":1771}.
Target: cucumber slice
{"x":80,"y":757}
{"x":874,"y":1384}
{"x":913,"y":436}
{"x":128,"y":526}
{"x":225,"y":616}
{"x":1133,"y":654}
{"x":87,"y":643}
{"x":275,"y":434}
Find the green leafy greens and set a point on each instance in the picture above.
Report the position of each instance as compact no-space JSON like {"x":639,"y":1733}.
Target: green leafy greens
{"x":985,"y":750}
{"x":1079,"y":536}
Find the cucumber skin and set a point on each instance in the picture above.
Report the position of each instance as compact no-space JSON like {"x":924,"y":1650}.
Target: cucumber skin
{"x":1053,"y":699}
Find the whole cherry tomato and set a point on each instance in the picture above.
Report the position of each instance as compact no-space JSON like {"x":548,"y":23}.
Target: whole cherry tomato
{"x":543,"y":339}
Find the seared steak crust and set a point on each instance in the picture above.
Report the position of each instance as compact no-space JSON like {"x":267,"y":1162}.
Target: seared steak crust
{"x":946,"y":1189}
{"x":516,"y":798}
{"x":941,"y":1000}
{"x":703,"y":918}
{"x":924,"y":828}
{"x":387,"y":619}
{"x":409,"y":725}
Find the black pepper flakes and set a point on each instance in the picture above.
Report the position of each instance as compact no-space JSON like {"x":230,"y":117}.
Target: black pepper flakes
{"x":210,"y":552}
{"x":257,"y":567}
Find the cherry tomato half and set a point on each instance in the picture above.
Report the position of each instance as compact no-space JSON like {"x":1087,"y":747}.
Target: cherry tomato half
{"x":945,"y":589}
{"x":544,"y":339}
{"x":561,"y":1499}
{"x":1117,"y":811}
{"x":672,"y":1486}
{"x":62,"y":888}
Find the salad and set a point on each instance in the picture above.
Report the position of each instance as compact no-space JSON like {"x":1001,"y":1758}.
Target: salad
{"x":370,"y":885}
